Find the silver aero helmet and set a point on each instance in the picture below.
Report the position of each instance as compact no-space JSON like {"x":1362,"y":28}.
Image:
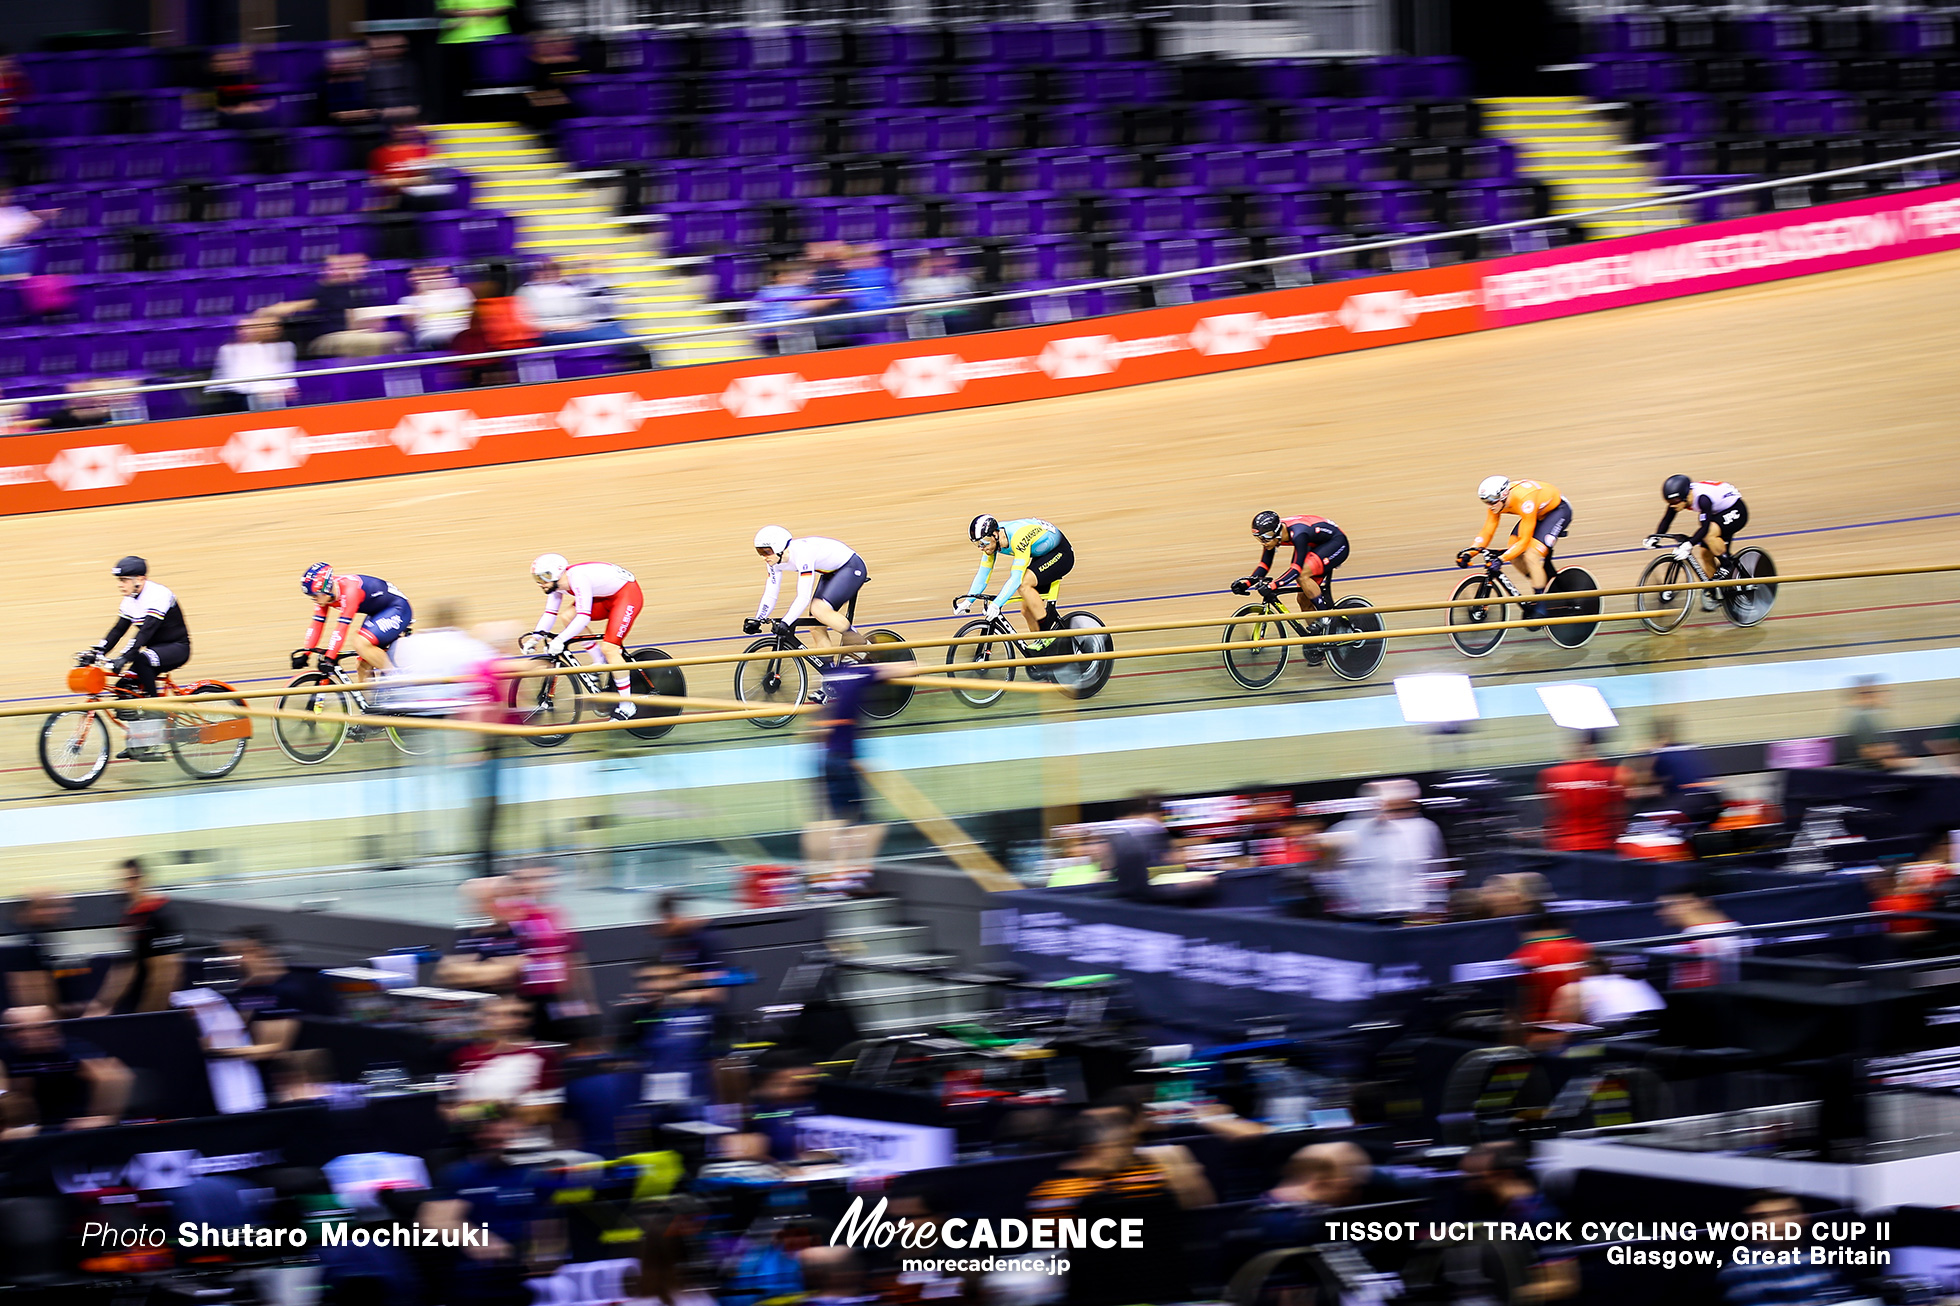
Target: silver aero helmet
{"x":549,"y":568}
{"x":1492,"y":489}
{"x":981,"y":528}
{"x":773,"y":538}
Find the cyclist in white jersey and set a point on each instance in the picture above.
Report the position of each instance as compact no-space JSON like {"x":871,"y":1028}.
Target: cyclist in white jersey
{"x":1723,"y":516}
{"x":600,"y":591}
{"x":829,"y":573}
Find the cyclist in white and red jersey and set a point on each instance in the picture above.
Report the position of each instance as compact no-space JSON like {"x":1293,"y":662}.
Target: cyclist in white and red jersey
{"x":600,"y":591}
{"x":828,"y":576}
{"x":1723,"y":516}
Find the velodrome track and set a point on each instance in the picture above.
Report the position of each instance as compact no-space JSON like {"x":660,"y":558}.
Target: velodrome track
{"x":1830,"y":400}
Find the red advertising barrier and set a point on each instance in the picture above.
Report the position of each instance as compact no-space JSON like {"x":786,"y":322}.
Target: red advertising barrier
{"x":475,"y":428}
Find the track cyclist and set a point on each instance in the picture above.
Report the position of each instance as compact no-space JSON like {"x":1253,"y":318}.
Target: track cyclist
{"x":600,"y":591}
{"x":829,"y":574}
{"x":1543,"y":515}
{"x":1040,"y":556}
{"x":162,"y":641}
{"x":1723,"y":516}
{"x":372,"y":612}
{"x":1318,"y":547}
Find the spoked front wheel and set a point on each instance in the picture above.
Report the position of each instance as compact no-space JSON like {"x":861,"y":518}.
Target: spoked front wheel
{"x":1361,"y":658}
{"x":1468,"y":624}
{"x":1252,"y":664}
{"x":315,"y":738}
{"x":1083,"y":634}
{"x":972,"y":663}
{"x":208,"y":746}
{"x":1669,"y":607}
{"x":885,"y":700}
{"x":551,"y":700}
{"x":1571,"y":634}
{"x":75,"y":748}
{"x":771,"y":683}
{"x":1748,"y":604}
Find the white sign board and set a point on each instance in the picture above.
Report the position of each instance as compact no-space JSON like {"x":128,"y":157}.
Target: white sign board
{"x":876,"y":1146}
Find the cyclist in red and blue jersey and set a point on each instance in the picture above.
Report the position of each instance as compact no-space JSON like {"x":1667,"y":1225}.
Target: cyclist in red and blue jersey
{"x":373,"y":612}
{"x":1318,"y":547}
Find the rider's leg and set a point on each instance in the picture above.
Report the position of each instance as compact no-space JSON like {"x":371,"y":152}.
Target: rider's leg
{"x":1309,"y":593}
{"x":1713,"y":546}
{"x":373,"y":657}
{"x":834,"y":629}
{"x":1534,"y":565}
{"x":1033,"y":605}
{"x":613,"y":653}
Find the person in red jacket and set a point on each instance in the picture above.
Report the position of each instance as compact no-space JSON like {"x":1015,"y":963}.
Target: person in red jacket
{"x":1551,"y":959}
{"x":1585,"y":804}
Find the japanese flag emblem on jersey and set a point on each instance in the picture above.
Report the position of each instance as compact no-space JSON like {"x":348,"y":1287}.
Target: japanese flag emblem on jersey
{"x":275,"y":450}
{"x":421,"y":434}
{"x":1079,"y":356}
{"x":1230,"y":333}
{"x":773,"y":395}
{"x":94,"y":467}
{"x":588,"y":416}
{"x":924,"y":377}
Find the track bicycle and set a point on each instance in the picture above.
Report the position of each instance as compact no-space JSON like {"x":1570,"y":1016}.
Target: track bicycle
{"x":1078,"y":632}
{"x":319,"y":736}
{"x":1256,"y":665}
{"x":1743,"y":605}
{"x":559,"y":700}
{"x":785,"y":682}
{"x":75,"y":746}
{"x":1469,"y":626}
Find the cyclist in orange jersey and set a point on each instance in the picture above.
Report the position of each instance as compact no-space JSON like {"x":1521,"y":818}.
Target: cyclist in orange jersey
{"x":1543,"y":515}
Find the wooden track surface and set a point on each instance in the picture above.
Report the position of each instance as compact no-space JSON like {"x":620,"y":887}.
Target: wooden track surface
{"x":1829,"y":400}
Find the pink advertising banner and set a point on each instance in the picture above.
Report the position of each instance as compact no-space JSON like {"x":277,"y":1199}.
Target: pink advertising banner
{"x":1720,"y":255}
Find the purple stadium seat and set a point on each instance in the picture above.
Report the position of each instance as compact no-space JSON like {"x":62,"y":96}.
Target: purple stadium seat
{"x":1330,"y":166}
{"x":502,"y":61}
{"x":111,"y":349}
{"x":161,"y":298}
{"x":1227,"y":122}
{"x":319,"y":149}
{"x":20,"y":353}
{"x":612,"y":97}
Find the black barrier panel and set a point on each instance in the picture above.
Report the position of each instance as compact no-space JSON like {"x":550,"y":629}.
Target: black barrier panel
{"x":163,"y":1051}
{"x":1210,"y":970}
{"x":1911,"y":809}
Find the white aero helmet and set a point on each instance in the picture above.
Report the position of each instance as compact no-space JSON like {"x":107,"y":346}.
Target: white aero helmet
{"x":1492,"y":489}
{"x":773,"y":538}
{"x":549,"y":568}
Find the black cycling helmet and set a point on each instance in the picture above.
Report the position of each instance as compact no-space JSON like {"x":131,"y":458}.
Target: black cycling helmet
{"x":130,"y":566}
{"x":981,"y":528}
{"x":1265,"y":524}
{"x":1675,"y":488}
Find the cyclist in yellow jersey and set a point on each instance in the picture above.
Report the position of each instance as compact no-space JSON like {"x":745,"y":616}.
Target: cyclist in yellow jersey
{"x":1040,"y":557}
{"x":1543,"y":515}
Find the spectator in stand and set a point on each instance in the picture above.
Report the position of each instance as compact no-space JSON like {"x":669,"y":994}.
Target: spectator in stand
{"x":832,"y":1276}
{"x":1863,"y":745}
{"x":241,"y":380}
{"x":152,"y":940}
{"x":15,"y":419}
{"x":554,"y":979}
{"x":1519,"y":893}
{"x":29,"y":957}
{"x":1785,"y":1277}
{"x":83,"y":407}
{"x":489,"y":956}
{"x":336,"y":320}
{"x":497,"y":323}
{"x":1715,"y":941}
{"x":239,"y":103}
{"x":784,"y":1092}
{"x":14,"y":88}
{"x":1585,"y":805}
{"x":841,"y":849}
{"x":1139,"y":855}
{"x":344,"y":99}
{"x":403,"y":161}
{"x":394,"y":92}
{"x":1672,"y":777}
{"x":1551,"y":958}
{"x":1316,"y":1180}
{"x":487,"y":1190}
{"x":439,"y":307}
{"x":466,"y":24}
{"x":1499,"y":1174}
{"x":787,"y":298}
{"x":56,"y":1080}
{"x":565,"y":312}
{"x":682,"y":940}
{"x":16,"y":225}
{"x":867,"y":286}
{"x":1386,"y":856}
{"x":936,"y":278}
{"x":503,"y":1065}
{"x":1603,"y":996}
{"x":556,"y":68}
{"x":271,"y":997}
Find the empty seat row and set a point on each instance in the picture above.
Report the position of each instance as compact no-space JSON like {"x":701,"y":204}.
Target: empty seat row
{"x":186,"y":156}
{"x":1613,"y":77}
{"x":122,"y":205}
{"x":150,"y":111}
{"x":1791,"y":113}
{"x":1843,"y":32}
{"x":472,"y":234}
{"x":1758,"y":156}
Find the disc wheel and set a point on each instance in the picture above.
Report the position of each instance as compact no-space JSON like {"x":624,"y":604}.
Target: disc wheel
{"x":75,"y":748}
{"x":1082,"y":679}
{"x":1468,"y":625}
{"x":669,"y":681}
{"x":201,"y":758}
{"x":1748,"y":604}
{"x":1669,"y":608}
{"x":1254,"y":665}
{"x":313,"y":740}
{"x":885,"y":700}
{"x":1361,"y":658}
{"x":972,"y":664}
{"x":1576,"y":634}
{"x":551,"y":701}
{"x":771,"y":682}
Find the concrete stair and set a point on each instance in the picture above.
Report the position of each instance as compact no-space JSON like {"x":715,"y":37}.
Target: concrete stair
{"x":559,"y":216}
{"x":869,"y":929}
{"x":1574,"y":148}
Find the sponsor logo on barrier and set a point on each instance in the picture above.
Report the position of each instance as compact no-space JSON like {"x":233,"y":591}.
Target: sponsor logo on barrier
{"x":1079,"y":356}
{"x":1231,"y":333}
{"x":93,"y":467}
{"x":925,"y":376}
{"x":420,"y":435}
{"x":773,"y":395}
{"x":589,"y":416}
{"x":1381,"y":310}
{"x":278,"y":449}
